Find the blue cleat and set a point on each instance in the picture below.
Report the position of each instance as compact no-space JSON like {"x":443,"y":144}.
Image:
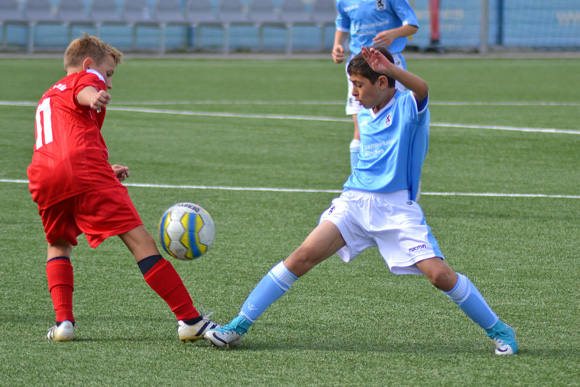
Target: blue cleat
{"x":504,"y":339}
{"x":229,"y":335}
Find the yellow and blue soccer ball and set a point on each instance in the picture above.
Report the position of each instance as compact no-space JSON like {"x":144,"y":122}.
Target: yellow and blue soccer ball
{"x":186,"y":231}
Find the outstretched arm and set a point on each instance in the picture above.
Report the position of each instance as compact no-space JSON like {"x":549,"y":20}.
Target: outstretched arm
{"x":89,"y":96}
{"x":379,"y":63}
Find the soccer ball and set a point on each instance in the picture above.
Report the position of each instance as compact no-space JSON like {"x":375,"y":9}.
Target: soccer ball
{"x":186,"y":231}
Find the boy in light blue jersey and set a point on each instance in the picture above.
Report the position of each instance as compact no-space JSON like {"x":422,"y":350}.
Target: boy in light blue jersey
{"x":384,"y":23}
{"x":377,"y":207}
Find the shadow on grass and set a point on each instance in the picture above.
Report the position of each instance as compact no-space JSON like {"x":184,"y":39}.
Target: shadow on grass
{"x":458,"y":347}
{"x":339,"y":345}
{"x":114,"y":329}
{"x":163,"y":330}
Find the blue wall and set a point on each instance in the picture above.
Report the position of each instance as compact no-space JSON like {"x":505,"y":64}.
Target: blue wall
{"x":511,"y":23}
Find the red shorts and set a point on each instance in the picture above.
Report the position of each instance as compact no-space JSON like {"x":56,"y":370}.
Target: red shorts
{"x":98,"y":214}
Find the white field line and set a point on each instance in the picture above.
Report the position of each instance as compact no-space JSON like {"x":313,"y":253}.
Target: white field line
{"x":329,"y":119}
{"x":310,"y":118}
{"x":298,"y":190}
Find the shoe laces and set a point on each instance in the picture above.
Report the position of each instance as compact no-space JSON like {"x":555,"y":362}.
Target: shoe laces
{"x":203,"y":313}
{"x":502,"y":338}
{"x":498,"y":342}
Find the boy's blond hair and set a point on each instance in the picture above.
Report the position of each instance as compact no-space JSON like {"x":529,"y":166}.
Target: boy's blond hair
{"x":89,"y":47}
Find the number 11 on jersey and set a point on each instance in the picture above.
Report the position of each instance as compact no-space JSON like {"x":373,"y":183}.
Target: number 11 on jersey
{"x":43,"y":123}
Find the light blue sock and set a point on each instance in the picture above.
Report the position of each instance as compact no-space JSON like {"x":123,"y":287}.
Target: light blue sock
{"x":269,"y":289}
{"x":468,"y":298}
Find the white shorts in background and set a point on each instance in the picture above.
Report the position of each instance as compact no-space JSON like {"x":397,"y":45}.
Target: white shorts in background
{"x":352,"y":105}
{"x":392,"y":222}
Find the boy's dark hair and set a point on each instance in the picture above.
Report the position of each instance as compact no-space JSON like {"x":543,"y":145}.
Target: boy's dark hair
{"x":358,"y":65}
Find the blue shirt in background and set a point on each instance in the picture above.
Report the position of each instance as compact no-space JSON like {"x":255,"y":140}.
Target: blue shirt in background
{"x":364,"y":19}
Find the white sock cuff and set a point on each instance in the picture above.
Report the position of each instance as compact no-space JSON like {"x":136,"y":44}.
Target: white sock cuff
{"x":282,"y":276}
{"x":246,"y":317}
{"x":461,"y":291}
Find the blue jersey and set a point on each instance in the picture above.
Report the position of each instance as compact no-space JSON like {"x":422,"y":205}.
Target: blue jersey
{"x":393,"y":146}
{"x":364,"y":19}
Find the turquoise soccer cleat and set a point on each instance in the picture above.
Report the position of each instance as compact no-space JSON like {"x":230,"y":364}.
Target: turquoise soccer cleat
{"x":504,"y":339}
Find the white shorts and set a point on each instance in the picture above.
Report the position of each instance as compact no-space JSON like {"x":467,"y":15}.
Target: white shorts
{"x":392,"y":222}
{"x":352,"y":105}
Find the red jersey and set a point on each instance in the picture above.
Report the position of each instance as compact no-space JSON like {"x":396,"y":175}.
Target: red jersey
{"x":70,"y":156}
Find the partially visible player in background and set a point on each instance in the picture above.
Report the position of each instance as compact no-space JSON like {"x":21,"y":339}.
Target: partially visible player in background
{"x":78,"y":191}
{"x":380,"y":23}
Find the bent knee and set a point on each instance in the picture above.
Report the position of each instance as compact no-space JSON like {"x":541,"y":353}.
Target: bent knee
{"x":302,"y":260}
{"x":441,"y":276}
{"x":443,"y":280}
{"x":306,"y":256}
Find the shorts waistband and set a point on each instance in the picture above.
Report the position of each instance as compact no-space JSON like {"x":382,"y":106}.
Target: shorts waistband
{"x":402,"y":194}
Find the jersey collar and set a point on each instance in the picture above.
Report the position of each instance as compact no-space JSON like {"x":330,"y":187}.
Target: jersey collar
{"x":91,"y":71}
{"x":388,"y":105}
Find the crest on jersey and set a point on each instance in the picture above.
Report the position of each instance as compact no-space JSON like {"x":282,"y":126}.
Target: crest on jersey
{"x":388,"y":120}
{"x":381,"y":6}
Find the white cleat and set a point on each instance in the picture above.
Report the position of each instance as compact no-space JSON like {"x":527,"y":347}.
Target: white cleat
{"x":196,"y":331}
{"x":62,"y":332}
{"x":222,"y":338}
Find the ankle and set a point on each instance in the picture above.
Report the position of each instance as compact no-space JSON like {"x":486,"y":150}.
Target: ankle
{"x":242,"y":324}
{"x":498,"y":326}
{"x":193,"y":321}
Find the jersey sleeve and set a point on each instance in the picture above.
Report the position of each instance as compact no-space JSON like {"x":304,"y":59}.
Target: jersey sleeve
{"x":87,"y":80}
{"x":404,"y":11}
{"x":422,"y":107}
{"x":417,"y":112}
{"x":419,"y":140}
{"x":90,"y":79}
{"x":342,"y":22}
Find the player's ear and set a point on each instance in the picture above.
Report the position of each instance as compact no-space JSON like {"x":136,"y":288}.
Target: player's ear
{"x":88,"y":63}
{"x":383,"y":82}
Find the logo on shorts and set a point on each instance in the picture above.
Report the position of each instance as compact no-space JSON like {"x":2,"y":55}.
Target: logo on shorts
{"x":381,"y":5}
{"x":419,"y":247}
{"x":330,"y":210}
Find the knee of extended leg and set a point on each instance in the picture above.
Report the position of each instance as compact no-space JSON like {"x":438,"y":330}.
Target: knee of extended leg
{"x":305,"y":257}
{"x":443,"y":279}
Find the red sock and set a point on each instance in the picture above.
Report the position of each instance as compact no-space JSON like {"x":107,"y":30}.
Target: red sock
{"x":166,"y":282}
{"x":59,"y":273}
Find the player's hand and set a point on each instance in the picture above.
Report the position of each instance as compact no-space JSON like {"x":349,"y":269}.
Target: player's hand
{"x":338,"y":53}
{"x":377,"y":61}
{"x":384,"y":39}
{"x":100,"y":100}
{"x":121,"y":171}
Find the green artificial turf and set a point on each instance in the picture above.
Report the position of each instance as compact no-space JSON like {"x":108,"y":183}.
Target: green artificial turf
{"x":341,"y":324}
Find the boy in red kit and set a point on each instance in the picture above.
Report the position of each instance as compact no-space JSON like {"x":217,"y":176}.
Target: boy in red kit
{"x":78,"y":191}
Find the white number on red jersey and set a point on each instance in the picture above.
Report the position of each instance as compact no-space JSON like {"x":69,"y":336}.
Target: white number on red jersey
{"x":43,"y":124}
